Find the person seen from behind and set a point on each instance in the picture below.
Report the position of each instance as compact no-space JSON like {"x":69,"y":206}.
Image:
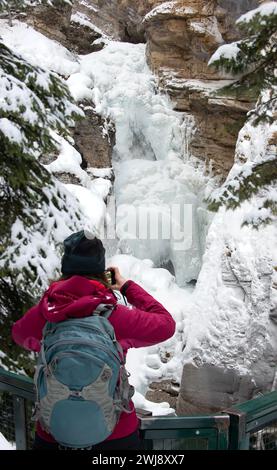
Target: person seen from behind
{"x":81,"y":290}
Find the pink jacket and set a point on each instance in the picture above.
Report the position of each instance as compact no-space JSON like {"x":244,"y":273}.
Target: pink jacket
{"x":145,"y":323}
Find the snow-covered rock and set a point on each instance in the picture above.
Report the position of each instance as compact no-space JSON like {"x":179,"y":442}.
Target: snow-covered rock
{"x":230,"y":345}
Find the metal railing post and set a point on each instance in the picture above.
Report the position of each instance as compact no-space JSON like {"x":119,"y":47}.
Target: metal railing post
{"x":249,"y":417}
{"x":237,"y":433}
{"x":20,"y":423}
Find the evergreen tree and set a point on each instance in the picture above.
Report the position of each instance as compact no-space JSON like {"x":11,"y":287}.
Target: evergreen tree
{"x":253,"y":62}
{"x":36,"y":212}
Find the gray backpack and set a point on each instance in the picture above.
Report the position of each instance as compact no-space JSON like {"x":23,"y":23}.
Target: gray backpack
{"x":81,"y":381}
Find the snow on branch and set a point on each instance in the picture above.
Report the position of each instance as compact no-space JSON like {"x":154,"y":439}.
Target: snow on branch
{"x":227,"y":51}
{"x":34,"y":101}
{"x":264,"y":10}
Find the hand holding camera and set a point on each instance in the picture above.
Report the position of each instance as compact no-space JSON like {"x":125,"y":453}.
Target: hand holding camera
{"x":117,"y":280}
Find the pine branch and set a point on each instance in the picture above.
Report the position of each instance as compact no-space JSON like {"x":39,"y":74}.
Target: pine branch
{"x":242,"y":187}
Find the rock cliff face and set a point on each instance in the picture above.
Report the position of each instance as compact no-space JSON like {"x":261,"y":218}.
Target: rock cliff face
{"x":183,"y":34}
{"x":63,"y":25}
{"x":94,"y":139}
{"x":232,"y":10}
{"x":181,"y":37}
{"x":119,"y":19}
{"x":103,"y":14}
{"x":52,"y":22}
{"x":72,"y":27}
{"x":217,"y":118}
{"x":208,"y":389}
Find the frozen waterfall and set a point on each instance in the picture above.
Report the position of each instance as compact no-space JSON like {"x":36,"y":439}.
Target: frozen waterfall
{"x":158,"y":190}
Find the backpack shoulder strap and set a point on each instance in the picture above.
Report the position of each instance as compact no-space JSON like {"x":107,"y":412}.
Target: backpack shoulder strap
{"x":104,"y":310}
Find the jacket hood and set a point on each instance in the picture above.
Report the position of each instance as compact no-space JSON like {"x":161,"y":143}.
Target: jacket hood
{"x":75,"y":297}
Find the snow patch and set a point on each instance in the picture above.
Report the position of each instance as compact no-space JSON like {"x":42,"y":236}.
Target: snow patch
{"x":5,"y":445}
{"x":168,"y":8}
{"x":101,"y":172}
{"x":157,"y":409}
{"x":89,"y":5}
{"x":80,"y":87}
{"x":83,"y":20}
{"x":266,"y":9}
{"x":68,"y":161}
{"x":227,"y":51}
{"x":38,"y":49}
{"x":92,"y":206}
{"x":207,"y":27}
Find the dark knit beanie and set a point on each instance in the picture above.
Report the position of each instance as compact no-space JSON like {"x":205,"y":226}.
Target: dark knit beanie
{"x":82,"y":255}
